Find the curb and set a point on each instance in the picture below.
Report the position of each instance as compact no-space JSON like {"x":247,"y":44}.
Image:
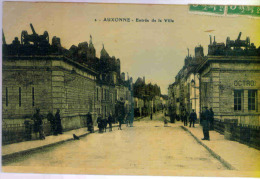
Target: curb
{"x":214,"y":154}
{"x":7,"y":157}
{"x":140,"y":118}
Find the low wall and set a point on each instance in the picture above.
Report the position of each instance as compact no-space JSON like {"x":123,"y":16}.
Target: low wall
{"x":18,"y":130}
{"x":243,"y":133}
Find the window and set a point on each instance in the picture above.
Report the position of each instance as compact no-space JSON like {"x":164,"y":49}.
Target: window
{"x":238,"y":100}
{"x":6,"y":96}
{"x":252,"y":100}
{"x":102,"y":95}
{"x":32,"y":96}
{"x":20,"y":97}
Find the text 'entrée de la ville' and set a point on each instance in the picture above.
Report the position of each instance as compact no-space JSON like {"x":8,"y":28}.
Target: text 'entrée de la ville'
{"x":165,"y":20}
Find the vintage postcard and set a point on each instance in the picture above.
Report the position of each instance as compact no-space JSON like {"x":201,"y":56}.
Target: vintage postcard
{"x":131,"y":89}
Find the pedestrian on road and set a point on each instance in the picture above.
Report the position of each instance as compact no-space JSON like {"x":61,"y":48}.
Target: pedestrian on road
{"x":211,"y":119}
{"x":205,"y":123}
{"x":99,"y":122}
{"x":172,"y":116}
{"x":193,"y":117}
{"x":165,"y":122}
{"x":104,"y":124}
{"x":58,"y":122}
{"x":90,"y":123}
{"x":128,"y":119}
{"x":110,"y":120}
{"x":185,"y":116}
{"x":51,"y":119}
{"x":120,"y":120}
{"x":38,"y":126}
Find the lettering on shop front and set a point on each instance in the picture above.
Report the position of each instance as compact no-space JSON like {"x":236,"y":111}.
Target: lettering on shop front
{"x":244,"y":83}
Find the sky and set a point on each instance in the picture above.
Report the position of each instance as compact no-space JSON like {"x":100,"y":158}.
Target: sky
{"x":155,"y":50}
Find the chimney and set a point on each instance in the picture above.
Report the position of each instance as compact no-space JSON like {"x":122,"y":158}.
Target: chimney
{"x":123,"y":76}
{"x":210,"y":40}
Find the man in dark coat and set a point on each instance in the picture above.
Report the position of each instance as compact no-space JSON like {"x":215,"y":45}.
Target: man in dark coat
{"x":38,"y":125}
{"x":211,"y":119}
{"x":51,"y":119}
{"x":185,"y":116}
{"x":120,"y":120}
{"x":58,"y":122}
{"x":104,"y":124}
{"x":172,"y":116}
{"x":99,"y":122}
{"x":110,"y":120}
{"x":90,"y":123}
{"x":205,"y":123}
{"x":193,"y":117}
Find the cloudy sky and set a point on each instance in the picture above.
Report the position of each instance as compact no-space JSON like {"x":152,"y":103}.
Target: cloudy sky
{"x":155,"y":50}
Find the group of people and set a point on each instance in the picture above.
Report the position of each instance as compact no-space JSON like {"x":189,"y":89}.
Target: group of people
{"x":102,"y":123}
{"x":192,"y":117}
{"x":55,"y":122}
{"x":206,"y":119}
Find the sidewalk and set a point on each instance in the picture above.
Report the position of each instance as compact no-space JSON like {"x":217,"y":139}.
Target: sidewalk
{"x":232,"y":154}
{"x":12,"y":150}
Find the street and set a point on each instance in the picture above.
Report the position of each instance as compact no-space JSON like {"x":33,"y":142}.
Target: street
{"x":147,"y":148}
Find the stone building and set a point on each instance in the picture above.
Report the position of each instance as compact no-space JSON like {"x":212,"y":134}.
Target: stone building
{"x":47,"y":82}
{"x":229,"y":80}
{"x":37,"y":74}
{"x":184,"y":92}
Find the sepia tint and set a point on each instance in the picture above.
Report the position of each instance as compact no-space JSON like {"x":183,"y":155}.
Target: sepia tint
{"x":131,"y":89}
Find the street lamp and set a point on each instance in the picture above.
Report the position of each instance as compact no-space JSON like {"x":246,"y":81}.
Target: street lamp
{"x":193,"y":85}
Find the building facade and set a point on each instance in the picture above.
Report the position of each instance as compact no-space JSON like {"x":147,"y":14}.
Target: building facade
{"x":37,"y":74}
{"x":230,"y":85}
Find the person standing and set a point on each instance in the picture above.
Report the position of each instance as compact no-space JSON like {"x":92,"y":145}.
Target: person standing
{"x":38,"y":126}
{"x":104,"y":124}
{"x":120,"y":120}
{"x":110,"y":120}
{"x":99,"y":122}
{"x":193,"y":117}
{"x":58,"y":122}
{"x":165,"y":122}
{"x":51,"y":119}
{"x":90,"y":123}
{"x":172,"y":116}
{"x":211,"y":119}
{"x":205,"y":123}
{"x":185,"y":116}
{"x":151,"y":116}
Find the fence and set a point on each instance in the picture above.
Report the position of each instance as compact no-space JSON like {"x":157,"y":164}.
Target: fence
{"x":12,"y":133}
{"x":246,"y":134}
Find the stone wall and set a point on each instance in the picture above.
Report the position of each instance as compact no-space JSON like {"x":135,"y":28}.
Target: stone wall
{"x":26,"y":88}
{"x":48,"y":84}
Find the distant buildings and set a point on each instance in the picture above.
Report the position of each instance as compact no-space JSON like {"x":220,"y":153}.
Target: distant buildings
{"x":227,"y":79}
{"x":147,"y":98}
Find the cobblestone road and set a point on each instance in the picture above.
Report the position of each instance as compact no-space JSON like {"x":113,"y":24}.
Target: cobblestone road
{"x":148,"y":148}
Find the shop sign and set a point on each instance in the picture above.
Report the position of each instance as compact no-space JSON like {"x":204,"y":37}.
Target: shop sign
{"x":244,"y":83}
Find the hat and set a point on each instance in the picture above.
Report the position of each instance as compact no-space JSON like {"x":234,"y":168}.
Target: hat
{"x":205,"y":107}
